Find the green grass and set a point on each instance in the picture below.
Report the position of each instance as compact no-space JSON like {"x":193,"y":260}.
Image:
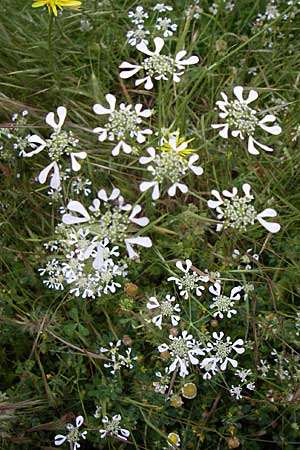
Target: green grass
{"x":51,"y":371}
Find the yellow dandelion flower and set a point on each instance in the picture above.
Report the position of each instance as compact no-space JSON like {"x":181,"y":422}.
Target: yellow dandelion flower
{"x":52,"y":5}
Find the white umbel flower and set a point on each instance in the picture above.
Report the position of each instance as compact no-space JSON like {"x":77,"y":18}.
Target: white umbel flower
{"x":191,"y":281}
{"x":59,"y":144}
{"x":238,"y":212}
{"x":219,"y":353}
{"x":165,"y":308}
{"x":184,"y":351}
{"x":169,"y":165}
{"x":243,"y":121}
{"x":223,"y":304}
{"x":73,"y":435}
{"x":123,"y":123}
{"x":157,"y":66}
{"x":113,"y":428}
{"x":111,"y":218}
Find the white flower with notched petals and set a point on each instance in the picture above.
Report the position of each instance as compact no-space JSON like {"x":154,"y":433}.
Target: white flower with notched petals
{"x":165,"y":25}
{"x":184,"y":351}
{"x":111,"y":219}
{"x":138,"y":16}
{"x":166,"y":308}
{"x":238,"y":212}
{"x":169,"y":164}
{"x":161,"y":7}
{"x":123,"y":123}
{"x":223,"y":304}
{"x":219,"y":352}
{"x":243,"y":121}
{"x":157,"y":66}
{"x":190,"y":282}
{"x":137,"y":36}
{"x":236,"y":391}
{"x":113,"y":428}
{"x":59,"y":144}
{"x":73,"y":435}
{"x":161,"y":386}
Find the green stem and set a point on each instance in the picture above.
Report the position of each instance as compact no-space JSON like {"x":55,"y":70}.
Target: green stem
{"x":50,"y":46}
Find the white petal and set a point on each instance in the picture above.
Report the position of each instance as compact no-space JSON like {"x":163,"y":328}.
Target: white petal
{"x":59,"y":439}
{"x":148,"y":82}
{"x":55,"y":177}
{"x":253,"y":150}
{"x":146,"y":159}
{"x":75,"y":164}
{"x":196,"y":169}
{"x":129,"y":73}
{"x":142,"y":241}
{"x":35,"y":139}
{"x":252,"y":96}
{"x":45,"y":172}
{"x":182,"y":187}
{"x":247,"y":188}
{"x":188,"y":61}
{"x":102,"y":195}
{"x":215,"y":289}
{"x":61,"y":112}
{"x":157,"y":320}
{"x":275,"y":129}
{"x":224,"y":131}
{"x":145,"y":185}
{"x":159,"y":43}
{"x":238,"y":92}
{"x":272,"y":227}
{"x":121,"y":145}
{"x":79,"y":421}
{"x":153,"y":303}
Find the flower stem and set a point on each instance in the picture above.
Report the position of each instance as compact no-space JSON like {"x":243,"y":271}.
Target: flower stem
{"x":50,"y":46}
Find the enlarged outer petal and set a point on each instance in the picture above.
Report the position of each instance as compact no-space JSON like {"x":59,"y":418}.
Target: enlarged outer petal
{"x":55,"y":179}
{"x":272,"y":227}
{"x":157,"y":320}
{"x":158,"y":42}
{"x":99,"y":109}
{"x":142,"y":241}
{"x":148,"y":84}
{"x":215,"y":289}
{"x":182,"y":187}
{"x":146,"y":159}
{"x":253,"y":150}
{"x":35,"y":140}
{"x":238,"y":92}
{"x":130,"y":69}
{"x":247,"y":188}
{"x":213,"y":203}
{"x":145,"y":185}
{"x":153,"y":303}
{"x":121,"y":146}
{"x":62,"y":113}
{"x":59,"y":439}
{"x":79,"y":421}
{"x":224,"y":129}
{"x":140,"y":135}
{"x":188,"y":264}
{"x":142,"y":221}
{"x":185,"y":62}
{"x":74,"y":163}
{"x":273,"y":129}
{"x":77,"y":207}
{"x":196,"y":169}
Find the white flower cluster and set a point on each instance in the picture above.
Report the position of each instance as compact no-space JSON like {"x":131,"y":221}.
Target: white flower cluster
{"x":157,"y":66}
{"x":117,"y":360}
{"x":166,"y":308}
{"x":223,"y":304}
{"x":123,"y":124}
{"x":238,"y":212}
{"x":243,"y":120}
{"x":139,"y":33}
{"x":59,"y":145}
{"x":89,"y":268}
{"x":109,"y":217}
{"x":113,"y":428}
{"x":191,"y":281}
{"x":73,"y":435}
{"x":168,"y":164}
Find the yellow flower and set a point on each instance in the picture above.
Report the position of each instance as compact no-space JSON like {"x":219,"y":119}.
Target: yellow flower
{"x":52,"y":5}
{"x":176,"y":143}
